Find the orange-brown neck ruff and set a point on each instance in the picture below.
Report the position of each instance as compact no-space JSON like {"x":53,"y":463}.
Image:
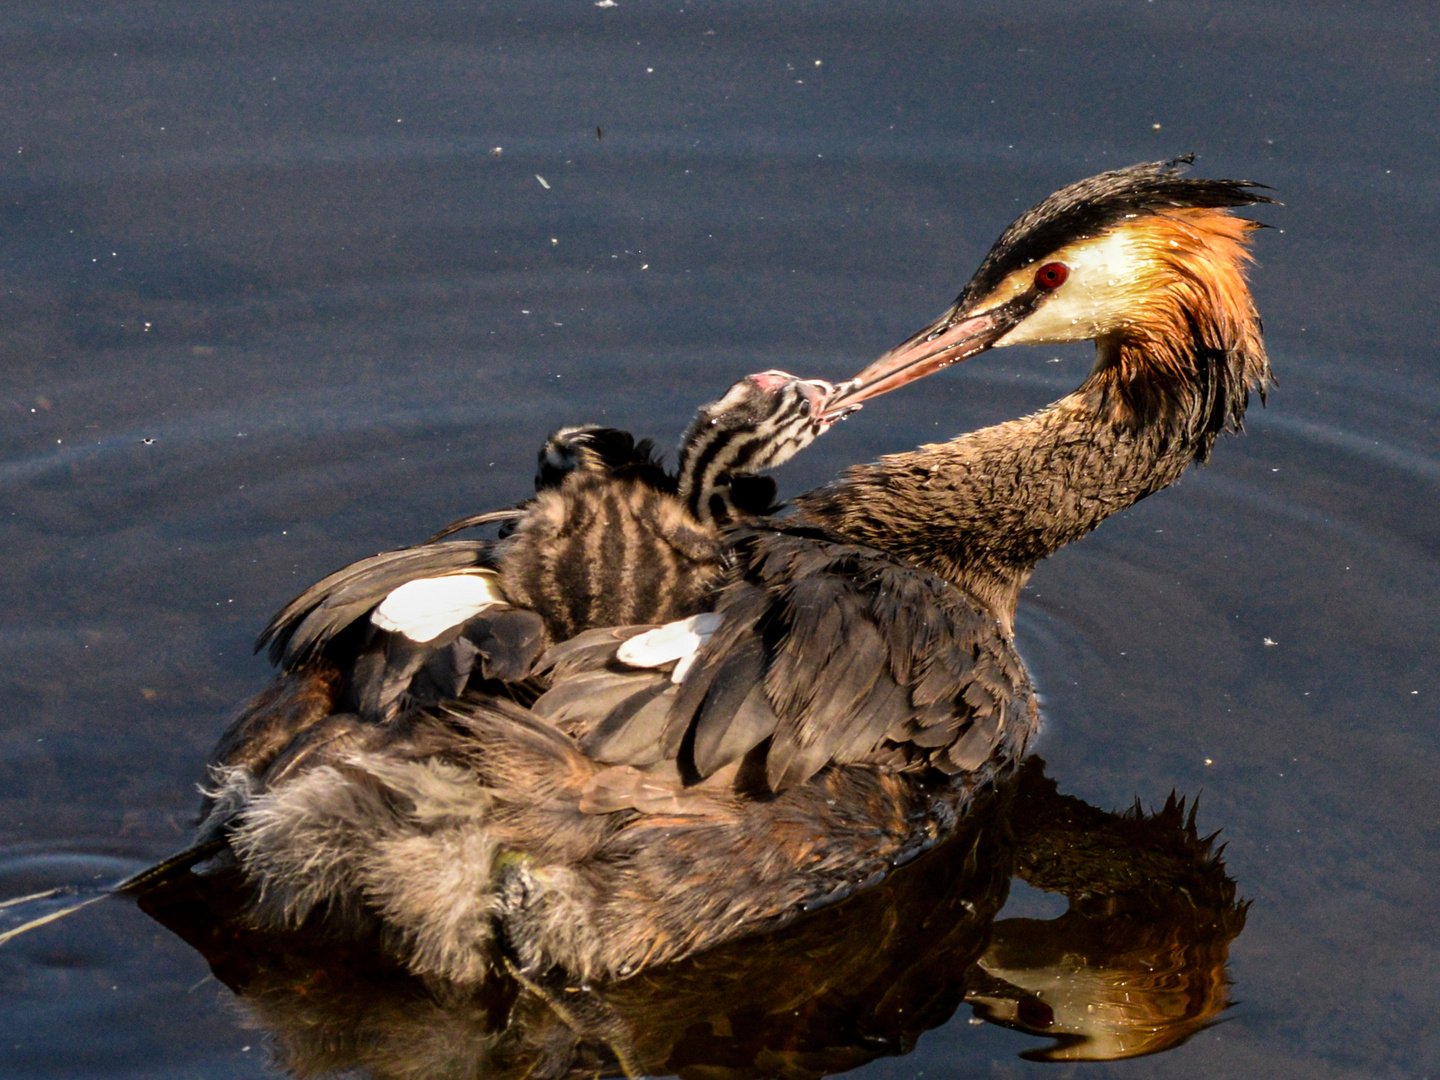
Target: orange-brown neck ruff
{"x":1197,"y":320}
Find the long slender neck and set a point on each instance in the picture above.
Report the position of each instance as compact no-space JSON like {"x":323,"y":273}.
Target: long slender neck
{"x":983,"y":509}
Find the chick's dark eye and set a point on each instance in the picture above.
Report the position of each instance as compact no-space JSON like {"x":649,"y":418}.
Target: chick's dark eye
{"x":1051,"y":276}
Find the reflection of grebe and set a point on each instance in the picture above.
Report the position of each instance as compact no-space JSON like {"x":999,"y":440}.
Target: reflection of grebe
{"x":1137,"y":963}
{"x":852,"y":686}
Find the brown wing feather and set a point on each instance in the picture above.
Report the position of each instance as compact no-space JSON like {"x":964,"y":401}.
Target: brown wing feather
{"x":632,"y":739}
{"x":863,"y":656}
{"x":725,"y":728}
{"x":306,"y":625}
{"x":833,"y":652}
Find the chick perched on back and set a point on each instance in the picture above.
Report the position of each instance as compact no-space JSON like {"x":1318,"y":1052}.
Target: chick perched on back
{"x":611,"y":539}
{"x":762,"y":422}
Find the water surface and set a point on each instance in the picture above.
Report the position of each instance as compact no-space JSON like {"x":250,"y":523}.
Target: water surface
{"x":282,"y":287}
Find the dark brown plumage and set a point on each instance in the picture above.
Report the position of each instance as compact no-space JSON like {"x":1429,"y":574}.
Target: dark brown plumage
{"x":828,"y":652}
{"x":827,"y":712}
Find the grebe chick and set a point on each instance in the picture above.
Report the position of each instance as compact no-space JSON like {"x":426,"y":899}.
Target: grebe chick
{"x":762,"y":422}
{"x":617,"y":542}
{"x":608,"y":539}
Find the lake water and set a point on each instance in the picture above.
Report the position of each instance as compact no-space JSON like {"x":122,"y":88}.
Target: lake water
{"x":285,"y":285}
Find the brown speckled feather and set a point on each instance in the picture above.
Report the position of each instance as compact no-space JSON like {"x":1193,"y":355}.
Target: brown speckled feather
{"x":831,"y":651}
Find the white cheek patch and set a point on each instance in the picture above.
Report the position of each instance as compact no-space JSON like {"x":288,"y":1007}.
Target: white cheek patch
{"x":1095,"y":297}
{"x":680,"y":641}
{"x":424,"y":609}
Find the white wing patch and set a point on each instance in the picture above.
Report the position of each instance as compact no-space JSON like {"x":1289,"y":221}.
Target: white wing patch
{"x":424,"y":609}
{"x":674,"y":641}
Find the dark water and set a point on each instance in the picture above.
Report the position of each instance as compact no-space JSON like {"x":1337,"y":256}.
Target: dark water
{"x":272,"y":301}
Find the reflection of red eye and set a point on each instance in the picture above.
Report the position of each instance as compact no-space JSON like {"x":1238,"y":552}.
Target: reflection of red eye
{"x":1051,"y":276}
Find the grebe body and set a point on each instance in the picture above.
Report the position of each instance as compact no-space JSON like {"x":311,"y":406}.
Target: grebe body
{"x":819,"y":710}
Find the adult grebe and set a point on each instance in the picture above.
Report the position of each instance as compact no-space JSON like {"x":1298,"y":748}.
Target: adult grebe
{"x":826,"y":714}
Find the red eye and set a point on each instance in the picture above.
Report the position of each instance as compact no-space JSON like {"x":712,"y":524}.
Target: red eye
{"x":1051,"y":276}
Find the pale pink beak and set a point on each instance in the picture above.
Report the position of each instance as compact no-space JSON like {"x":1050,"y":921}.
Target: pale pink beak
{"x":944,"y":342}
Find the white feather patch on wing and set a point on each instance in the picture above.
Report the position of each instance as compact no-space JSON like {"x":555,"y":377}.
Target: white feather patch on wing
{"x":424,"y":609}
{"x":679,"y":640}
{"x":683,"y":668}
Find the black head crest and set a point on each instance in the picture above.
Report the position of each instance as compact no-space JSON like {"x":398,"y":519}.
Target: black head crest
{"x":1089,"y":207}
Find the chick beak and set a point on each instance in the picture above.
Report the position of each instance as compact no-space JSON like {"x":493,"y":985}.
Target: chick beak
{"x":948,"y":340}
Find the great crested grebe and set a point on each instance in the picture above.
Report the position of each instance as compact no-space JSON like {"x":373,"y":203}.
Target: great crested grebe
{"x":823,"y":713}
